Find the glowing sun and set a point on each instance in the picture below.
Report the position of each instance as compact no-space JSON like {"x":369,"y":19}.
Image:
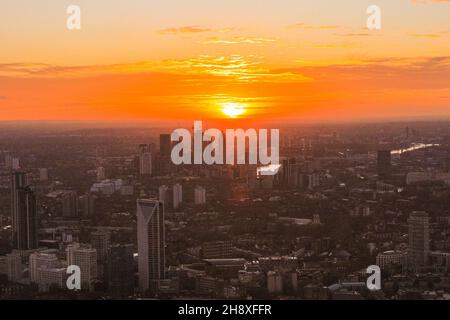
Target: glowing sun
{"x":232,"y":109}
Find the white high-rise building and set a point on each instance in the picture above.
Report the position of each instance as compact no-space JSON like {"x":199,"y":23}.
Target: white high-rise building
{"x":177,"y":195}
{"x":151,"y":243}
{"x":40,"y":261}
{"x":46,"y":271}
{"x":419,"y":239}
{"x":85,"y":258}
{"x":200,"y":195}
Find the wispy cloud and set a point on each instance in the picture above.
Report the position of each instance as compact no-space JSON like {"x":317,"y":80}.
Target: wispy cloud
{"x":334,"y":45}
{"x":41,"y":70}
{"x":234,"y":68}
{"x":430,"y":35}
{"x":184,"y":30}
{"x":354,"y":34}
{"x":191,"y":30}
{"x":302,"y":25}
{"x":238,"y":40}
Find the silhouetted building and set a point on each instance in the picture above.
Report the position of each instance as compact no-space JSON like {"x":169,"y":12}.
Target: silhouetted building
{"x":165,"y":145}
{"x":120,"y":271}
{"x":24,"y":213}
{"x":384,"y":163}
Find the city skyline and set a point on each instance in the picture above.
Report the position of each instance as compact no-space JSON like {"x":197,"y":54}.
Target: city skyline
{"x":341,"y":204}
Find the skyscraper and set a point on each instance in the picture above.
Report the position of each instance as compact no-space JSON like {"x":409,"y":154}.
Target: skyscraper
{"x":24,"y":213}
{"x":18,"y":180}
{"x":151,"y":243}
{"x":145,"y":160}
{"x":384,"y":163}
{"x":100,"y":242}
{"x":419,"y":239}
{"x":177,"y":195}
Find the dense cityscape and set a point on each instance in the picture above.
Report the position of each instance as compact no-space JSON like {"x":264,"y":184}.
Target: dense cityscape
{"x":110,"y":201}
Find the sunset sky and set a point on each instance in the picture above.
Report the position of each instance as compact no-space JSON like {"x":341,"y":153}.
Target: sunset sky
{"x":203,"y":59}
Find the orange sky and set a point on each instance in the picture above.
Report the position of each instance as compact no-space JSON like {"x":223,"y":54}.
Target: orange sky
{"x":301,"y":60}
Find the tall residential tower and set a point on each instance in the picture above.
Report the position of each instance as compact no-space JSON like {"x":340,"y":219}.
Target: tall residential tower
{"x":151,"y":243}
{"x":24,"y":213}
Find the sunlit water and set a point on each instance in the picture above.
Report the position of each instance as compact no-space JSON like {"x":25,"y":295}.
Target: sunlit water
{"x":413,"y":147}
